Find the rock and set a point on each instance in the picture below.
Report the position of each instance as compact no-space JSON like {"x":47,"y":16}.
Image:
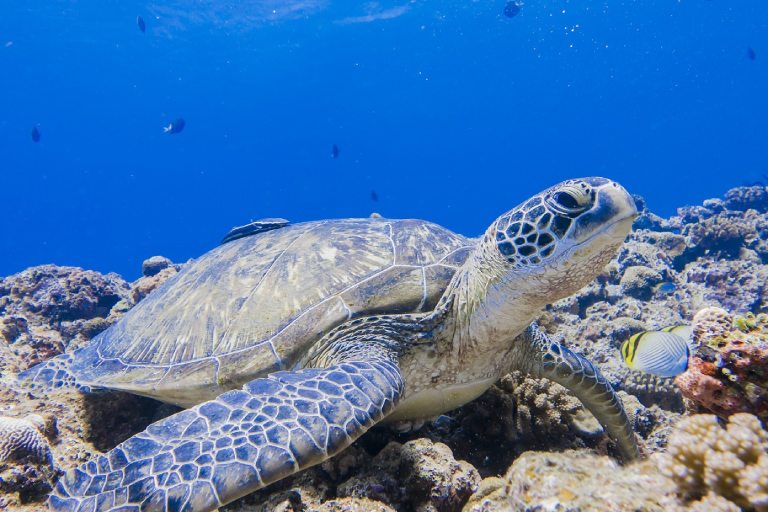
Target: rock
{"x":638,"y":281}
{"x":729,"y":371}
{"x":746,"y":198}
{"x":145,"y":285}
{"x":418,"y":475}
{"x":571,"y":481}
{"x":154,"y":265}
{"x":45,"y":309}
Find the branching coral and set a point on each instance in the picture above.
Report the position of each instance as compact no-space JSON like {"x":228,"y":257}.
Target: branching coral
{"x":704,"y":458}
{"x":543,"y":409}
{"x":729,"y":371}
{"x":654,"y":390}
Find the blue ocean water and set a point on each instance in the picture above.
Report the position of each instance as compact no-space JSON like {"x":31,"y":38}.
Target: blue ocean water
{"x":448,"y":111}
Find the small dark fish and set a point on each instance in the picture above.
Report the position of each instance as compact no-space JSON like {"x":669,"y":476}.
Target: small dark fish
{"x":176,"y":126}
{"x":374,"y":196}
{"x":751,"y":53}
{"x":335,"y":151}
{"x":35,"y":134}
{"x":141,"y":24}
{"x":512,"y":8}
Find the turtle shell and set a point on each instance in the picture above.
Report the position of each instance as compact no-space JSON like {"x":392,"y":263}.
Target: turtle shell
{"x":257,"y":304}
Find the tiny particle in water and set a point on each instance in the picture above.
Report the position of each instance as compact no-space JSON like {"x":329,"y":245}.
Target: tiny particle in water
{"x":141,"y":24}
{"x":374,"y":196}
{"x":335,"y":151}
{"x":35,"y":134}
{"x":751,"y":53}
{"x":176,"y":126}
{"x":512,"y":8}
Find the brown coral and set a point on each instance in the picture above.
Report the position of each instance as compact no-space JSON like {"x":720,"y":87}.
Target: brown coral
{"x":704,"y":458}
{"x":729,"y":371}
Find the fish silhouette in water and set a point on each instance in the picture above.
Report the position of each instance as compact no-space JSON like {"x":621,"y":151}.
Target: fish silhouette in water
{"x":140,"y":22}
{"x":176,"y":126}
{"x":335,"y":151}
{"x":35,"y":134}
{"x":751,"y":53}
{"x":512,"y":8}
{"x":374,"y":196}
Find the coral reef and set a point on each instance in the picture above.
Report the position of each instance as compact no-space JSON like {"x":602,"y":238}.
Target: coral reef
{"x":705,"y":461}
{"x":714,"y":254}
{"x":45,"y":309}
{"x":729,"y":371}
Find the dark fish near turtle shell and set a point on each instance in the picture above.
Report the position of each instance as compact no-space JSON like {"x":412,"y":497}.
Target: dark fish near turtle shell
{"x":140,"y":22}
{"x":335,"y":151}
{"x":751,"y":53}
{"x":35,"y":134}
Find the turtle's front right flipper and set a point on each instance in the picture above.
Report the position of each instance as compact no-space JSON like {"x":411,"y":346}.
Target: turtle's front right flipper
{"x":577,"y":374}
{"x":52,"y":374}
{"x":218,"y":451}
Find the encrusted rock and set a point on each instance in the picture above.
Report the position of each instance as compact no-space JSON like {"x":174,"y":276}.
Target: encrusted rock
{"x":638,"y":281}
{"x":43,"y":309}
{"x":152,"y":266}
{"x":145,"y":285}
{"x":747,"y":198}
{"x":573,"y":480}
{"x":729,"y":371}
{"x":418,"y":475}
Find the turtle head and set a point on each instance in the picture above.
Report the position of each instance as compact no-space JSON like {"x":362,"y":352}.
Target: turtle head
{"x":563,"y":237}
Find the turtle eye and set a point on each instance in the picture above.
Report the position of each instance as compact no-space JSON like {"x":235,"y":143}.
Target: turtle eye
{"x":566,"y":200}
{"x":571,"y":199}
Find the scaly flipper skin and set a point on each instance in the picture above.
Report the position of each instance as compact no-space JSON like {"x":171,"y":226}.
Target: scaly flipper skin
{"x":221,"y":450}
{"x":52,"y":374}
{"x":574,"y":372}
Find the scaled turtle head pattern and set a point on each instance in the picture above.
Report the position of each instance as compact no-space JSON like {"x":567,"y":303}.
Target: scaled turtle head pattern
{"x":574,"y":227}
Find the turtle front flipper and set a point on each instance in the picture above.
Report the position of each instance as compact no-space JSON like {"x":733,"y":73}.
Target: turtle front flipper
{"x":576,"y":373}
{"x":221,"y":450}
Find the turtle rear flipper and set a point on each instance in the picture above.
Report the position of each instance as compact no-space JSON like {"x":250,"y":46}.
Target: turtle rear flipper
{"x":577,"y":374}
{"x":218,"y":451}
{"x":52,"y":374}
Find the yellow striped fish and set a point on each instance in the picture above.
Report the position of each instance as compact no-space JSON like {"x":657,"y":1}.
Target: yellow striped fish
{"x":664,"y":353}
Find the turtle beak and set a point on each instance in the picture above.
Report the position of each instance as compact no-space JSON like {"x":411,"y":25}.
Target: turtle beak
{"x":612,"y":214}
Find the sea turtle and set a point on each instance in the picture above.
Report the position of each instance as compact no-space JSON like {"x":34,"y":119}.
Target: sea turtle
{"x":289,"y":343}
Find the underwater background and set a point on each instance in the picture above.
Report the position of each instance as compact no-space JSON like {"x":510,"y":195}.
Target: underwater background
{"x":449,"y":111}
